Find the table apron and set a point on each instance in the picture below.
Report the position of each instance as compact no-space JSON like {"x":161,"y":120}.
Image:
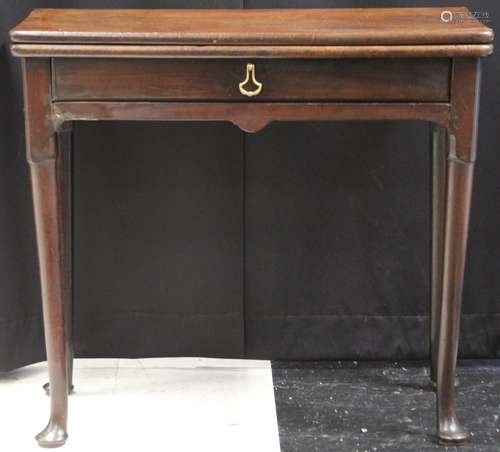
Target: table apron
{"x":250,"y":117}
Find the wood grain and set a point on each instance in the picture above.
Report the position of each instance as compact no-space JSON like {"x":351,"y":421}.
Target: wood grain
{"x":249,"y":116}
{"x":253,"y":51}
{"x":342,"y":26}
{"x":40,"y":139}
{"x":47,"y":188}
{"x":311,"y":80}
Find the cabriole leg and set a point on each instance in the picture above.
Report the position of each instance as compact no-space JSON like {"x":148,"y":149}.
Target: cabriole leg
{"x":458,"y":194}
{"x":64,"y":169}
{"x":439,"y":150}
{"x":48,"y":227}
{"x":47,"y":181}
{"x":462,"y":141}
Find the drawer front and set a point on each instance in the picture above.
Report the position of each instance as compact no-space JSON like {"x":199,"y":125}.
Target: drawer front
{"x":411,"y":79}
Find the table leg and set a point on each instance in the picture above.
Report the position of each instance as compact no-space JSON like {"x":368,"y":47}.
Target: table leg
{"x":459,"y":188}
{"x":64,"y":161}
{"x":47,"y":180}
{"x":462,"y":139}
{"x":439,"y":150}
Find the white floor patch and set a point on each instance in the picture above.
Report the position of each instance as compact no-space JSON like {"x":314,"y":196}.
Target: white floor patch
{"x":172,"y":404}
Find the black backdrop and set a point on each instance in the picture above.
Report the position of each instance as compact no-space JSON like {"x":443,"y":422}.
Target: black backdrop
{"x":304,"y":241}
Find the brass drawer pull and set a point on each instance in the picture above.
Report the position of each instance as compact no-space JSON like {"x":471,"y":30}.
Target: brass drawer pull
{"x":250,"y":75}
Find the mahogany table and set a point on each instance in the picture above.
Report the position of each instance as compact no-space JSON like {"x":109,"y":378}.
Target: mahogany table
{"x":252,"y":67}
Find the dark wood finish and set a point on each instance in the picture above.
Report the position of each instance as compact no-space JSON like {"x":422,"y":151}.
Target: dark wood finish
{"x":439,"y":154}
{"x":40,"y":137}
{"x":465,"y":105}
{"x":379,"y":79}
{"x":47,"y":186}
{"x":459,"y":188}
{"x":290,"y":50}
{"x":345,"y":26}
{"x":459,"y":175}
{"x":65,"y":157}
{"x":269,"y":52}
{"x":64,"y":140}
{"x":250,"y":117}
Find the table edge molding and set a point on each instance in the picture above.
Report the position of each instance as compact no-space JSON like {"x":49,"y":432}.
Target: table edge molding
{"x":312,"y":52}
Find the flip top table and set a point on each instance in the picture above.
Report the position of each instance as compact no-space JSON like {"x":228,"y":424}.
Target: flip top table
{"x":252,"y":67}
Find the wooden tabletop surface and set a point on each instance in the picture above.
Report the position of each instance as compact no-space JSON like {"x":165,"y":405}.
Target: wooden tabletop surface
{"x":342,"y":26}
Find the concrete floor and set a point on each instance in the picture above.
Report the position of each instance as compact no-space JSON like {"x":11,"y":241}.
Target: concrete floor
{"x":350,"y":406}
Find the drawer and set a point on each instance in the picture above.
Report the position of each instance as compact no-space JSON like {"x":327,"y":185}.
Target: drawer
{"x":412,"y":79}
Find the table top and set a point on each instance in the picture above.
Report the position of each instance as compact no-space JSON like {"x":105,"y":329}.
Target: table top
{"x":297,"y":27}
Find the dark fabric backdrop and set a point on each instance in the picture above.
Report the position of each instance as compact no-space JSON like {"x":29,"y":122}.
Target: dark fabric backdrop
{"x":304,"y":241}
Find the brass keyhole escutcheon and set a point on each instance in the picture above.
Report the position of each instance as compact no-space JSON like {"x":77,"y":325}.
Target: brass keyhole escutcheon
{"x":250,"y":77}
